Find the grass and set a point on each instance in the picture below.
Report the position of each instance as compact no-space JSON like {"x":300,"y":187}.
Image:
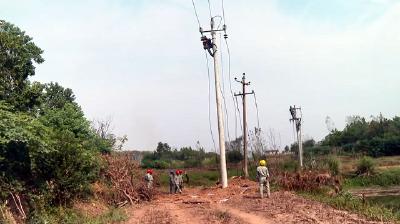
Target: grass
{"x":346,"y":201}
{"x":72,"y":216}
{"x":385,"y":178}
{"x":390,"y":202}
{"x":349,"y":163}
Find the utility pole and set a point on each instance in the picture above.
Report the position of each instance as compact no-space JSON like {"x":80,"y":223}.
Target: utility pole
{"x":243,"y":94}
{"x":297,"y":126}
{"x":211,"y":46}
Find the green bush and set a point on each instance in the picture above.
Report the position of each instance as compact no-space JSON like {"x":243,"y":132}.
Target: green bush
{"x":290,"y":165}
{"x":161,"y":164}
{"x":333,"y":165}
{"x":209,"y":162}
{"x":365,"y":166}
{"x":192,"y":163}
{"x":234,"y":156}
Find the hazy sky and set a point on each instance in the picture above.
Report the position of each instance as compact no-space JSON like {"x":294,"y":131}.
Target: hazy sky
{"x":141,"y":62}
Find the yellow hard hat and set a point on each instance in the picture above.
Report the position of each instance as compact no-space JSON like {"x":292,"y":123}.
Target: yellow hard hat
{"x":263,"y":162}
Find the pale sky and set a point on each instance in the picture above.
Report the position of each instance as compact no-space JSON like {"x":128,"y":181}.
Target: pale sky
{"x":141,"y":62}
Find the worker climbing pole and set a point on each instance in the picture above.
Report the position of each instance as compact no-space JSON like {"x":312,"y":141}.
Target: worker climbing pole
{"x":296,"y":120}
{"x":211,"y":46}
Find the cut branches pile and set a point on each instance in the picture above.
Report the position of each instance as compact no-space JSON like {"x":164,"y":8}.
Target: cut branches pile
{"x":308,"y":181}
{"x":124,"y":180}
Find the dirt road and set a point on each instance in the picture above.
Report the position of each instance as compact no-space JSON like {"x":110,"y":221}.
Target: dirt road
{"x":237,"y":204}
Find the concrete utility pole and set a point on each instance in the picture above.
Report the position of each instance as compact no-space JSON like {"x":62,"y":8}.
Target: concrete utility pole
{"x":221,"y":131}
{"x":211,"y":46}
{"x":243,"y":94}
{"x":297,"y":126}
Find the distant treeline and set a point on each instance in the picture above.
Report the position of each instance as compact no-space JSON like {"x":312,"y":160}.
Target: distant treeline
{"x":166,"y":157}
{"x":378,"y":137}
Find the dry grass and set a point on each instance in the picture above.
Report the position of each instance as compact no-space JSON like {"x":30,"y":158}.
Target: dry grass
{"x":224,"y":217}
{"x":156,"y":216}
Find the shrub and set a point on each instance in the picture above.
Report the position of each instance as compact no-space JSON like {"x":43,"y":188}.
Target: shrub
{"x":234,"y":156}
{"x":161,"y":164}
{"x":365,"y":166}
{"x":290,"y":166}
{"x":192,"y":163}
{"x":209,"y":162}
{"x":333,"y":165}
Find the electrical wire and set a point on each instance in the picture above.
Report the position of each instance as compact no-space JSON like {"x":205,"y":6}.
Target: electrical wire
{"x":258,"y":118}
{"x":223,"y":91}
{"x":223,"y":10}
{"x":220,"y":21}
{"x":238,"y":110}
{"x":230,"y":84}
{"x":294,"y":132}
{"x":209,"y":101}
{"x":195,"y":12}
{"x":209,"y":8}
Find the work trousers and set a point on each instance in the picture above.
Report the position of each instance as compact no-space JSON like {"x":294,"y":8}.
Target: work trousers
{"x":264,"y":181}
{"x":171,"y":188}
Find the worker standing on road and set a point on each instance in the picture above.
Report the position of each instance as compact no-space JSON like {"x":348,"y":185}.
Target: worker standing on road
{"x":180,"y":179}
{"x":176,"y":181}
{"x":187,"y":177}
{"x":263,"y":178}
{"x":149,"y":178}
{"x":171,"y":182}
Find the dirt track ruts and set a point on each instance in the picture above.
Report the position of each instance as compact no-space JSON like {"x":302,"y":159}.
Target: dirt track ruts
{"x":237,"y":205}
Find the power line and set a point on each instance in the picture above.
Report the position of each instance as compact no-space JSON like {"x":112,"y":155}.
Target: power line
{"x":223,"y":10}
{"x":223,"y":91}
{"x":235,"y":103}
{"x":209,"y":8}
{"x":209,"y":102}
{"x":258,"y":118}
{"x":238,"y":110}
{"x":195,"y":12}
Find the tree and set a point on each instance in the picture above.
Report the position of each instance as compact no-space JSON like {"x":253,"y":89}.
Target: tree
{"x":48,"y":152}
{"x":377,"y":137}
{"x":258,"y":144}
{"x":17,"y":57}
{"x":287,"y":149}
{"x":24,"y":143}
{"x":274,"y":139}
{"x":107,"y":141}
{"x":163,"y":151}
{"x":309,"y":143}
{"x":56,"y":96}
{"x":73,"y":164}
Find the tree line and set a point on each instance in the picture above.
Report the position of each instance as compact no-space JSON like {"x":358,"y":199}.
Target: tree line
{"x":379,"y":136}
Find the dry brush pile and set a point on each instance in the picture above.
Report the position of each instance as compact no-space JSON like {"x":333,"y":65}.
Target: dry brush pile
{"x":308,"y":181}
{"x":124,"y":182}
